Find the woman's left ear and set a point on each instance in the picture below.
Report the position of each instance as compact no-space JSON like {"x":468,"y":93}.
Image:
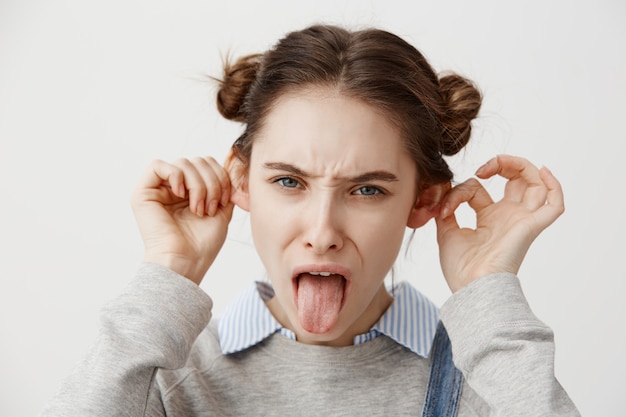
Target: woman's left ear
{"x":427,"y":205}
{"x":238,"y":173}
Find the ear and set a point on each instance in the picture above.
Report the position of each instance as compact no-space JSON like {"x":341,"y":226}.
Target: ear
{"x":427,"y":205}
{"x":238,"y":173}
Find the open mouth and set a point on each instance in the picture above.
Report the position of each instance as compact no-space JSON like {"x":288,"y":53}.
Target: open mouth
{"x":319,"y":297}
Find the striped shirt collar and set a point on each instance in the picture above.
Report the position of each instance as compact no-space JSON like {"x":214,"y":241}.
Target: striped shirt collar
{"x":411,"y":320}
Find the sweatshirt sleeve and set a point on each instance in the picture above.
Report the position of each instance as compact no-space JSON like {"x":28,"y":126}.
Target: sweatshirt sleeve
{"x":153,"y":324}
{"x":505,"y":353}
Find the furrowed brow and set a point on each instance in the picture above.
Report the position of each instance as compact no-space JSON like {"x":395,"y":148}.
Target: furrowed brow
{"x":281,"y":166}
{"x":375,"y":176}
{"x":384,"y":176}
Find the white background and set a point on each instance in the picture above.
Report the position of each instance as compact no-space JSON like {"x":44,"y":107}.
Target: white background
{"x":90,"y":92}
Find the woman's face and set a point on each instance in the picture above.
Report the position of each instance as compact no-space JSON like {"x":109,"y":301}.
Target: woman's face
{"x":330,"y":191}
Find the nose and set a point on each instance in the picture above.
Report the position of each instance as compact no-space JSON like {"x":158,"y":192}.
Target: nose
{"x":324,"y":231}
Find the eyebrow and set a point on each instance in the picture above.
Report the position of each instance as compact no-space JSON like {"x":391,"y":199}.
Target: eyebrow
{"x":365,"y":177}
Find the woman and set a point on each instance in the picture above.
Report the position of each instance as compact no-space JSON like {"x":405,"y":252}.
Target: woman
{"x":342,"y":150}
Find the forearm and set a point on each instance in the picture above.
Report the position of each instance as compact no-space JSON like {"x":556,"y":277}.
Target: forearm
{"x":152,"y":325}
{"x":505,"y":353}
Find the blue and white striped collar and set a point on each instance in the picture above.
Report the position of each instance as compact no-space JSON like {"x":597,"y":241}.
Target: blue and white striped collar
{"x":411,"y":320}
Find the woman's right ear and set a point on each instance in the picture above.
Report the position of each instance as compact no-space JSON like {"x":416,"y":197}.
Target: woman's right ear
{"x":238,"y":173}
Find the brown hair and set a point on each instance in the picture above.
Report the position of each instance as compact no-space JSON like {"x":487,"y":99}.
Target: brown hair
{"x":432,"y":114}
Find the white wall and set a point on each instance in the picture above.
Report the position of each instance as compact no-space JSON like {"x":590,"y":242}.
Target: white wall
{"x":90,"y":92}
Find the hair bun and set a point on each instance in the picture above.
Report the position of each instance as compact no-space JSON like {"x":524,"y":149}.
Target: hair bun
{"x":234,"y":86}
{"x":461,"y":100}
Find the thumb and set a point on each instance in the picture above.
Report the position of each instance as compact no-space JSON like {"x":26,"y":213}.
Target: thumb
{"x":446,"y":225}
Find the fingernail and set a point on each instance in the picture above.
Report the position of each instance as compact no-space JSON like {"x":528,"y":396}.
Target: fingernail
{"x":445,"y":211}
{"x":481,"y":169}
{"x":212,"y":207}
{"x":200,"y":208}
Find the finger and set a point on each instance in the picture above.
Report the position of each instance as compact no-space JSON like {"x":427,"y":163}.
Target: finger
{"x":195,"y":185}
{"x":223,"y":179}
{"x":446,"y":225}
{"x":212,"y":184}
{"x":160,"y":172}
{"x":525,"y":184}
{"x":471,"y":191}
{"x":555,"y":202}
{"x":510,"y":167}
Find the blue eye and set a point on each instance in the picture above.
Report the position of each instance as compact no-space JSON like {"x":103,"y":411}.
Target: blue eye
{"x":288,"y":182}
{"x":368,"y":190}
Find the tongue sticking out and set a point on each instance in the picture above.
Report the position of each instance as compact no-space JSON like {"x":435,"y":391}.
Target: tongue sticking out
{"x":319,"y":301}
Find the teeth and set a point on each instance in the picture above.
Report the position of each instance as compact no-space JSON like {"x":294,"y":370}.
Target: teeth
{"x":324,"y":274}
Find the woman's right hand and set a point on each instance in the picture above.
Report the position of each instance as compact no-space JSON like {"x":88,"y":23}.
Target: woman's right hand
{"x":183,"y":210}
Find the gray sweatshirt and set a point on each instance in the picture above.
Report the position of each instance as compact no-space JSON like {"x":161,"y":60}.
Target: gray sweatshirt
{"x":158,"y":354}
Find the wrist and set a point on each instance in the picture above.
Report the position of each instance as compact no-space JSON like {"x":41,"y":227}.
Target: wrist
{"x":193,"y":271}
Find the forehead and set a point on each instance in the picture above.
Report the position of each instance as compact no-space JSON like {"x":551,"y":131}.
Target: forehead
{"x":331,"y":132}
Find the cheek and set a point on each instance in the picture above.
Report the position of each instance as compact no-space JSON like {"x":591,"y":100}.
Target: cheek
{"x":271,"y":230}
{"x":378,"y":234}
{"x":380,"y":242}
{"x":262,"y":226}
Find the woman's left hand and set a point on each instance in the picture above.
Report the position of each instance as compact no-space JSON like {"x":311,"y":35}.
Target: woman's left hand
{"x":532,"y":200}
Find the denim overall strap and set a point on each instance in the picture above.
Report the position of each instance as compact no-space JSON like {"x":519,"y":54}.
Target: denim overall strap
{"x":446,"y":382}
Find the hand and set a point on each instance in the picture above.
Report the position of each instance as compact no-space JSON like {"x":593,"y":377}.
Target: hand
{"x":532,"y":200}
{"x":183,"y":210}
